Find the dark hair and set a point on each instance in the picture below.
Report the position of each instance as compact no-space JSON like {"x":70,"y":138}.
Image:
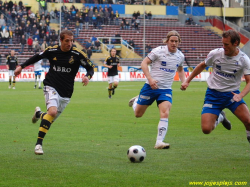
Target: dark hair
{"x":234,"y":35}
{"x":65,"y":32}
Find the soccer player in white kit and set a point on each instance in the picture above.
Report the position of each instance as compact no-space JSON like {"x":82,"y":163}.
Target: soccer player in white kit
{"x":38,"y":70}
{"x":165,"y":61}
{"x":229,"y":65}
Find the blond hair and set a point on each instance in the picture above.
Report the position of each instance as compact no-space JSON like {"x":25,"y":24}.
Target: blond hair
{"x":172,"y":33}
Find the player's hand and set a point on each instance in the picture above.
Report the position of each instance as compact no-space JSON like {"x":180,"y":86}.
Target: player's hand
{"x":153,"y":84}
{"x":184,"y":86}
{"x":236,"y":97}
{"x":110,"y":67}
{"x":85,"y":81}
{"x":18,"y":70}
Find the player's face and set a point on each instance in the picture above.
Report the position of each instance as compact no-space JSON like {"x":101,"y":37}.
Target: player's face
{"x":113,"y":52}
{"x":229,"y":48}
{"x":173,"y":43}
{"x":66,"y":43}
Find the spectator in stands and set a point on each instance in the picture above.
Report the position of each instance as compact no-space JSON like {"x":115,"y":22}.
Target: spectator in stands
{"x":90,"y":14}
{"x":195,"y":3}
{"x":212,"y":3}
{"x":97,"y":45}
{"x":10,"y":35}
{"x":105,"y":40}
{"x":127,"y":26}
{"x":134,"y":15}
{"x":190,"y":21}
{"x":86,"y":22}
{"x":112,"y":17}
{"x":13,"y":15}
{"x":110,"y":9}
{"x":23,"y":43}
{"x":77,"y":27}
{"x":131,"y":43}
{"x":2,"y":20}
{"x":99,"y":22}
{"x":94,"y":22}
{"x":88,"y":44}
{"x":137,"y":23}
{"x":161,"y":2}
{"x":10,"y":5}
{"x":44,"y":45}
{"x":150,"y":15}
{"x":36,"y":46}
{"x":106,"y":16}
{"x":117,"y":17}
{"x":122,"y":25}
{"x":30,"y":43}
{"x":5,"y":35}
{"x":89,"y":52}
{"x":201,"y":3}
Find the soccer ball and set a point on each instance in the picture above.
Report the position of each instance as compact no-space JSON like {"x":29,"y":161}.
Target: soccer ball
{"x":136,"y":153}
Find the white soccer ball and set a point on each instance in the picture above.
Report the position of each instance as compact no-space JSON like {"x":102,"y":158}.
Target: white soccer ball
{"x":136,"y":153}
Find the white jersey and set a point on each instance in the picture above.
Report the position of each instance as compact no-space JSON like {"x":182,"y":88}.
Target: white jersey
{"x":164,"y":65}
{"x":227,"y":71}
{"x":38,"y":66}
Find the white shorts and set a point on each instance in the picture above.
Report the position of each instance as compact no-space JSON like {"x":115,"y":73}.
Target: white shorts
{"x":11,"y":73}
{"x":52,"y":98}
{"x":112,"y":79}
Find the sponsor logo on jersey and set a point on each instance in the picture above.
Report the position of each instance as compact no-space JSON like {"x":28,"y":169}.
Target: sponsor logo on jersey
{"x":218,"y":67}
{"x":225,"y":74}
{"x":167,"y":70}
{"x":163,"y":63}
{"x":62,"y":69}
{"x":52,"y":49}
{"x":55,"y":58}
{"x":71,"y":60}
{"x":83,"y":62}
{"x":75,"y":52}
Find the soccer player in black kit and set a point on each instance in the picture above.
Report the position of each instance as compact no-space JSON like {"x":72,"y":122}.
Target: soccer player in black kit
{"x":11,"y":63}
{"x":112,"y":63}
{"x":65,"y":61}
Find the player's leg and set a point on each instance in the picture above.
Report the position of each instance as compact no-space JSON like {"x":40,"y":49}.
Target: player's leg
{"x":164,"y":108}
{"x":243,"y":114}
{"x":39,"y":81}
{"x":14,"y":82}
{"x":10,"y":78}
{"x":116,"y":81}
{"x":52,"y":102}
{"x":35,"y":79}
{"x":208,"y":122}
{"x":110,"y":81}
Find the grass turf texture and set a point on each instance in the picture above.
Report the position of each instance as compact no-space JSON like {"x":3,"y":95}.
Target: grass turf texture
{"x":87,"y":145}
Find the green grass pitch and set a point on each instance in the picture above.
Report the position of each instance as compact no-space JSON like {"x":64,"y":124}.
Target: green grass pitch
{"x":87,"y":145}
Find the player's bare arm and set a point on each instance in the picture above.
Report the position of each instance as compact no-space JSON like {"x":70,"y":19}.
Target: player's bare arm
{"x":181,"y":73}
{"x":144,"y":66}
{"x":244,"y":92}
{"x":85,"y":81}
{"x":199,"y":68}
{"x":18,"y":70}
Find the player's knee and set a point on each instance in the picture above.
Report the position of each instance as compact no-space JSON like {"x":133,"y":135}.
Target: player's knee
{"x":52,"y":112}
{"x":206,"y":130}
{"x":138,"y":114}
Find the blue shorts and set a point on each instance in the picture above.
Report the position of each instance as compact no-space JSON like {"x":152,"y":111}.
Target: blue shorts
{"x":216,"y":101}
{"x":38,"y":72}
{"x":148,"y":95}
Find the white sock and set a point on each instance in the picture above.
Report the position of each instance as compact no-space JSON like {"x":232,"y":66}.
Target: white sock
{"x":162,"y":130}
{"x":39,"y":82}
{"x":220,"y":119}
{"x":135,"y":103}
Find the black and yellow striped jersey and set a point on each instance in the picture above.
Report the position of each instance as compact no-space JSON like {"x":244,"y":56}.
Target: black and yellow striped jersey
{"x":12,"y":62}
{"x":63,"y":68}
{"x":112,"y":61}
